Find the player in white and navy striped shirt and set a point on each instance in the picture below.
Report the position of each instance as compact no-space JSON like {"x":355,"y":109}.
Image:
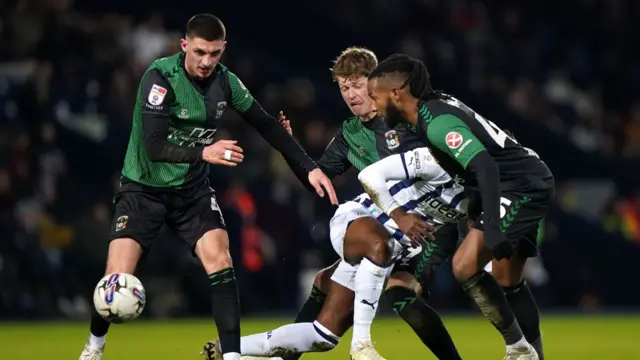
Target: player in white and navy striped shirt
{"x":366,"y":238}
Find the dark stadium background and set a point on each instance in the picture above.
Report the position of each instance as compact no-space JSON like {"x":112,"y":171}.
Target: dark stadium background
{"x":564,"y":76}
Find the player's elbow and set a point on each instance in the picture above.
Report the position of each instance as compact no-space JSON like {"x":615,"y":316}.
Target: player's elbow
{"x":367,"y":175}
{"x":154,"y":151}
{"x":483,"y":163}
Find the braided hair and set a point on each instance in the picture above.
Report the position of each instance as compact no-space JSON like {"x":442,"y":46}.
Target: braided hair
{"x":418,"y":79}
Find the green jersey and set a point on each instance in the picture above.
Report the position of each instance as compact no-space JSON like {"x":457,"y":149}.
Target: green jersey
{"x":186,"y":113}
{"x":361,"y":144}
{"x":456,"y":134}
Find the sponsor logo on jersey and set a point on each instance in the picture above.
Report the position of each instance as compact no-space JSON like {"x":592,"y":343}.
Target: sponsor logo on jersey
{"x":220,"y":108}
{"x":393,"y":141}
{"x":461,"y":149}
{"x":416,"y":155}
{"x":454,"y":140}
{"x":156,"y":95}
{"x":121,"y":222}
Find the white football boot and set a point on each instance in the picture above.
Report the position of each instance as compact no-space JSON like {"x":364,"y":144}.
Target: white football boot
{"x":92,"y":353}
{"x":365,"y":351}
{"x":528,"y":353}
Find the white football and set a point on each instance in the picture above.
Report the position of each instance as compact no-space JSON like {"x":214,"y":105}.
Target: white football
{"x":119,"y":298}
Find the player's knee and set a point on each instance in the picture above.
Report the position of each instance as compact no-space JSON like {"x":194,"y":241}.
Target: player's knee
{"x":124,"y":254}
{"x":508,"y":272}
{"x":379,"y":251}
{"x":325,"y":339}
{"x":463,"y":267}
{"x":213,"y":251}
{"x":406,"y":280}
{"x":366,"y":237}
{"x":323,"y":277}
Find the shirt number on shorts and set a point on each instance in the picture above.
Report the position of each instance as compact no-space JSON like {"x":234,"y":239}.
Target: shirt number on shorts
{"x":214,"y":204}
{"x":504,"y":205}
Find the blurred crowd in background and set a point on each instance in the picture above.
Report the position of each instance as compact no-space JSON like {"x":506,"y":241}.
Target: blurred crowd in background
{"x":566,"y":79}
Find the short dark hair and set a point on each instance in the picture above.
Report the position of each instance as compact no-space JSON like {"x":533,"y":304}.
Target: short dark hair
{"x":418,"y":78}
{"x":206,"y":26}
{"x":354,"y":62}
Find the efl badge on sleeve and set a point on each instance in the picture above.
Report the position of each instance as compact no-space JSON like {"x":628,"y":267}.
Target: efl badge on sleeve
{"x":156,"y":95}
{"x":393,"y":141}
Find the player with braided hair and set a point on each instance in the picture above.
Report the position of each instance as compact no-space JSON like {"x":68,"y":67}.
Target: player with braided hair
{"x":512,"y":186}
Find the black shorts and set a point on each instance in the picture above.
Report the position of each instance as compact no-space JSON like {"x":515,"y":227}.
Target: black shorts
{"x":424,"y":266}
{"x":141,"y":211}
{"x":520,"y":216}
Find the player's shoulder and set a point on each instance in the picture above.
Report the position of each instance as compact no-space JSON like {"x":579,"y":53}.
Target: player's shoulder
{"x":446,"y":110}
{"x":351,"y":125}
{"x":445,"y":105}
{"x":168,"y":64}
{"x":221,"y":69}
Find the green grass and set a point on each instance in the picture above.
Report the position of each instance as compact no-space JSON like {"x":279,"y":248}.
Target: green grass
{"x":575,"y":337}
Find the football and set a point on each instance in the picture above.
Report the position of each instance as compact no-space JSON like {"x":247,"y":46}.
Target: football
{"x":119,"y":298}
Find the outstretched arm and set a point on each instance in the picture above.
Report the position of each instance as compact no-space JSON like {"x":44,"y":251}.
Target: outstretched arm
{"x":271,"y":130}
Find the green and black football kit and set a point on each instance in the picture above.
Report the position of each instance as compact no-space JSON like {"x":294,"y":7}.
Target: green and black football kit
{"x":480,"y":155}
{"x":164,"y":179}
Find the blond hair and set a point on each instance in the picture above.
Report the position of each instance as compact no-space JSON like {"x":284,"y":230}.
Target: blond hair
{"x":354,"y":62}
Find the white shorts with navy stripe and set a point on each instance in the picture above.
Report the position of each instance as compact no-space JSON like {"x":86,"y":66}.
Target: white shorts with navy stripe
{"x":348,"y":212}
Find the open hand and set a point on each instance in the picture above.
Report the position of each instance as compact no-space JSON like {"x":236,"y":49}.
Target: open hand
{"x":286,"y":124}
{"x":319,"y":180}
{"x":223,"y":152}
{"x":413,"y":226}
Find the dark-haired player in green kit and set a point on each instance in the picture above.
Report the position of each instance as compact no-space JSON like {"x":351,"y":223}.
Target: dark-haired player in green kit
{"x":180,"y":102}
{"x":513,"y":189}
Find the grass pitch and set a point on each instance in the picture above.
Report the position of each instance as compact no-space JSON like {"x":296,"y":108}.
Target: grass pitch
{"x":565,"y":337}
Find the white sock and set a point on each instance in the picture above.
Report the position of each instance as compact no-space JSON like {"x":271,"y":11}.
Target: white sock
{"x":521,"y":344}
{"x":231,"y":356}
{"x":369,"y":283}
{"x":289,"y":339}
{"x":97,"y":341}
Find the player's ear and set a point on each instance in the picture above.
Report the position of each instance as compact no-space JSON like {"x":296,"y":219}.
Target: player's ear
{"x":183,"y":44}
{"x":395,"y":94}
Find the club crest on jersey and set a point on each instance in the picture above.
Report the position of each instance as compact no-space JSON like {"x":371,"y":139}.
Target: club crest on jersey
{"x":184,"y":113}
{"x":393,"y":141}
{"x":156,"y":95}
{"x":454,"y":140}
{"x":220,"y":108}
{"x":121,"y":222}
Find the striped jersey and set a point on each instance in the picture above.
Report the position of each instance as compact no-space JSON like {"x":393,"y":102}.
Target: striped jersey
{"x":426,"y":188}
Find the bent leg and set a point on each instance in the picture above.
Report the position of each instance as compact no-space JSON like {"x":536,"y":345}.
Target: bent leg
{"x":368,"y":240}
{"x":403,"y":293}
{"x":508,"y":273}
{"x":468,"y":264}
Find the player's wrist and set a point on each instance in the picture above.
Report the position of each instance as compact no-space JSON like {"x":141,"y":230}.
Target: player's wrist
{"x":311,"y":168}
{"x":395,"y":211}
